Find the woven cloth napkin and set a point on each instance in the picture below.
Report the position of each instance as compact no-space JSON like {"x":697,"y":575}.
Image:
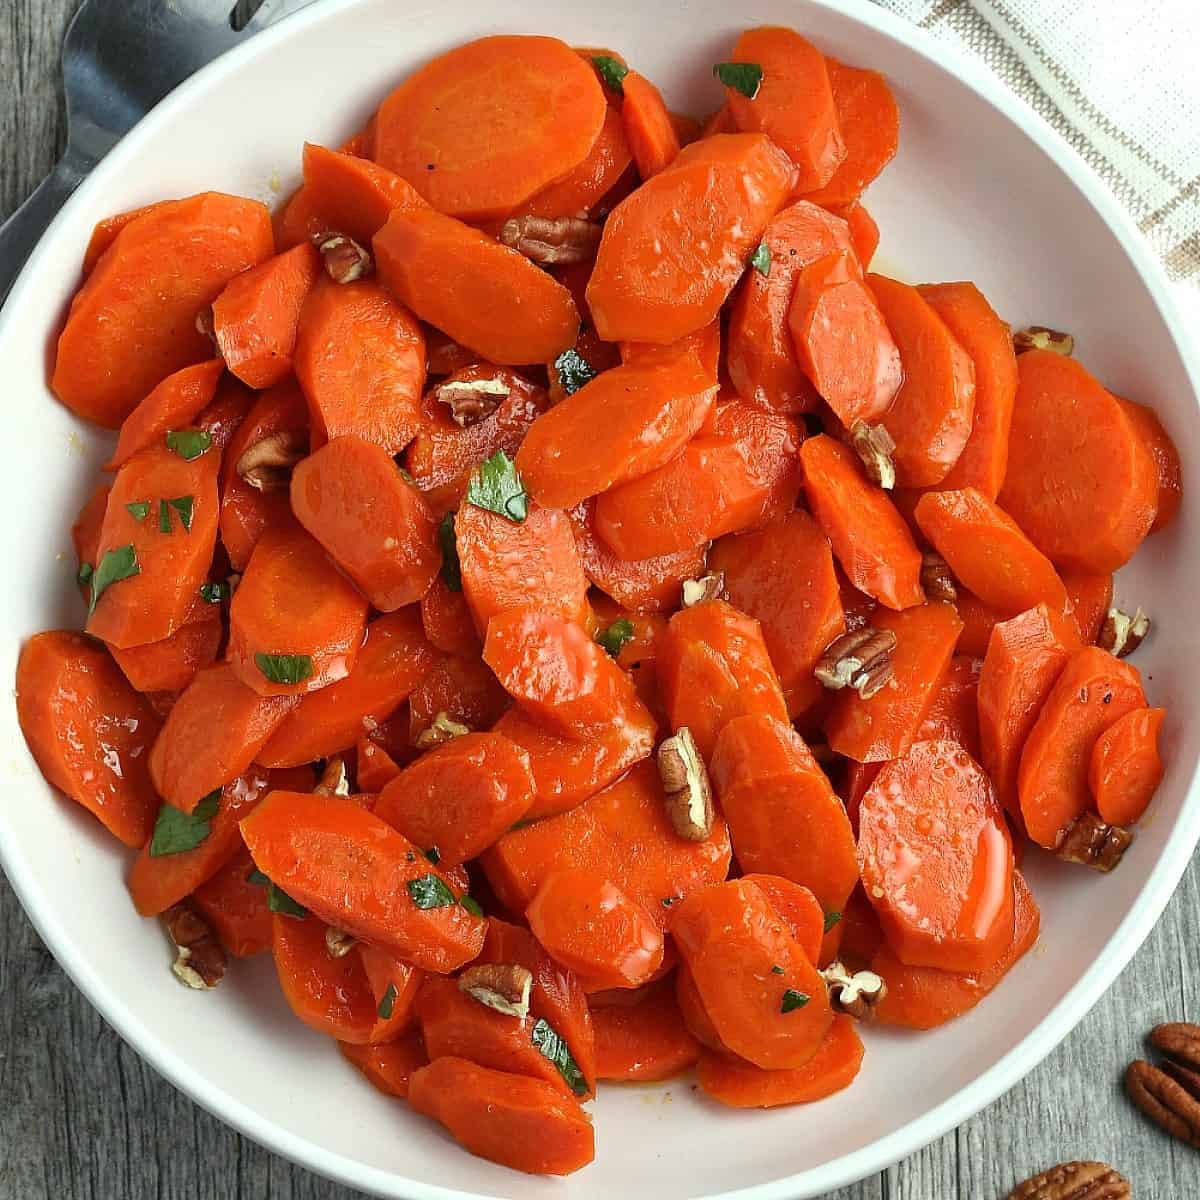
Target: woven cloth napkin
{"x":1120,"y":81}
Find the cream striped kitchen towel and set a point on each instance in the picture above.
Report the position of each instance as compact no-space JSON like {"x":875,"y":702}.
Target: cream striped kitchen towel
{"x":1120,"y":81}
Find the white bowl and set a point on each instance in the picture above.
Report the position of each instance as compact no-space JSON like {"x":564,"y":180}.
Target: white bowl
{"x":982,"y":189}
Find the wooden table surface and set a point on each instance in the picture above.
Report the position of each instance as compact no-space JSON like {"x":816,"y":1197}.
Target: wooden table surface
{"x":81,"y":1116}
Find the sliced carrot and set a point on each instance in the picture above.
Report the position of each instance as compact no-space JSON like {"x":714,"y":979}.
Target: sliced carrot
{"x":673,"y":250}
{"x":885,"y":726}
{"x":211,"y":735}
{"x":374,"y":767}
{"x":236,"y":907}
{"x":644,"y":1042}
{"x":799,"y":908}
{"x":174,"y":404}
{"x":1125,"y":768}
{"x":869,"y":537}
{"x":133,"y":322}
{"x":864,"y":233}
{"x":224,"y":416}
{"x":1093,"y":691}
{"x":296,"y":220}
{"x":720,"y":121}
{"x":687,"y":128}
{"x":352,"y":195}
{"x":1081,"y":482}
{"x":88,"y":731}
{"x":295,"y":623}
{"x":458,"y":279}
{"x":979,"y":619}
{"x":954,"y":714}
{"x":793,"y":103}
{"x":351,"y":869}
{"x":987,"y":340}
{"x":1166,"y":459}
{"x":105,"y":232}
{"x":171,"y":664}
{"x":649,"y":130}
{"x":393,"y":660}
{"x":478,"y":130}
{"x":360,"y":358}
{"x":395,"y":986}
{"x":86,"y":530}
{"x":462,"y":688}
{"x":447,"y":620}
{"x":1091,"y":596}
{"x":390,"y":1066}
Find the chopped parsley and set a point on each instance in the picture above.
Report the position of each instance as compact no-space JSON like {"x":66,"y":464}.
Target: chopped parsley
{"x":616,"y":635}
{"x":792,"y":1000}
{"x":553,"y":1047}
{"x":176,"y":831}
{"x":497,"y":487}
{"x":214,"y":593}
{"x":451,"y":569}
{"x":116,"y":565}
{"x":139,"y":510}
{"x":189,"y":444}
{"x":611,"y":70}
{"x":84,"y":574}
{"x":429,"y":891}
{"x":742,"y":77}
{"x":831,"y":919}
{"x":573,"y":371}
{"x":471,"y":905}
{"x":388,"y":1004}
{"x":183,"y":506}
{"x":760,"y":260}
{"x":285,"y":668}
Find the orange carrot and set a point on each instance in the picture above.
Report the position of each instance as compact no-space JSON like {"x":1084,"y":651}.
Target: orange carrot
{"x":171,"y":664}
{"x":85,"y":534}
{"x":864,"y":233}
{"x":447,"y":620}
{"x":1125,"y":767}
{"x":374,"y":767}
{"x":644,"y":1042}
{"x":352,"y":195}
{"x":105,"y":232}
{"x":978,"y":620}
{"x":236,"y":907}
{"x":649,"y":130}
{"x":799,"y":908}
{"x":1091,"y":596}
{"x":462,"y":688}
{"x":395,"y":986}
{"x":388,"y":1067}
{"x":954,"y":714}
{"x":174,"y":404}
{"x":1166,"y":460}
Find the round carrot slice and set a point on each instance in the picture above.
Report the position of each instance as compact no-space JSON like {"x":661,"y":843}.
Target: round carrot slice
{"x":1126,"y":768}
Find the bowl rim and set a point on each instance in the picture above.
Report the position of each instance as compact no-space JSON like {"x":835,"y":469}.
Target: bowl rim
{"x":884,"y":1152}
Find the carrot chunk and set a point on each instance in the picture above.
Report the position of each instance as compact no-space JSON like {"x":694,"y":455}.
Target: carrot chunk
{"x":174,"y":404}
{"x":649,"y":130}
{"x":236,"y":907}
{"x":1125,"y":767}
{"x":1166,"y":460}
{"x":171,"y":664}
{"x":388,"y":1067}
{"x":644,"y":1042}
{"x":353,"y":195}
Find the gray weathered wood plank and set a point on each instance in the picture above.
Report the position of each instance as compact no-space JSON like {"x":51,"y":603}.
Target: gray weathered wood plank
{"x":82,"y":1117}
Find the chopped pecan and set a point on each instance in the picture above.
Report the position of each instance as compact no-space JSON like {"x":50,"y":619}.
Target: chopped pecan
{"x":707,"y":587}
{"x":857,"y":994}
{"x":1039,"y":337}
{"x":338,"y":943}
{"x":267,"y":465}
{"x":1179,"y":1039}
{"x":1088,"y":840}
{"x":1075,"y":1181}
{"x":685,"y":782}
{"x":199,"y":957}
{"x":505,"y":987}
{"x":936,"y":578}
{"x":442,"y":729}
{"x":1122,"y":634}
{"x":552,"y":240}
{"x":861,"y":660}
{"x":334,"y":781}
{"x":1170,"y":1103}
{"x":471,"y":400}
{"x":345,"y":260}
{"x":875,"y":447}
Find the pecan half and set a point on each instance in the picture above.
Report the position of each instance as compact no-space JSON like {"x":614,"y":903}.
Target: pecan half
{"x":857,"y":994}
{"x":442,"y":729}
{"x":1179,"y":1039}
{"x":502,"y":986}
{"x":861,"y":660}
{"x":338,"y":943}
{"x":1075,"y":1181}
{"x":471,"y":400}
{"x":552,"y":240}
{"x":345,"y":260}
{"x":267,"y":465}
{"x":1088,"y":840}
{"x":334,"y":779}
{"x":1122,"y":634}
{"x":936,"y":578}
{"x":1039,"y":337}
{"x":199,"y":957}
{"x":707,"y":587}
{"x":875,"y":447}
{"x":1169,"y":1103}
{"x":685,"y":782}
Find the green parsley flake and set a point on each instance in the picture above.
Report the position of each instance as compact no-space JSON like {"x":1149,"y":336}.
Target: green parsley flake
{"x":214,"y":593}
{"x":430,"y":891}
{"x":84,"y":574}
{"x":285,"y":668}
{"x":497,"y":487}
{"x":257,"y":878}
{"x":139,"y":510}
{"x":175,"y":831}
{"x":553,"y":1047}
{"x":761,"y":259}
{"x":831,"y":919}
{"x":471,"y":905}
{"x":742,"y":77}
{"x":164,"y":517}
{"x":793,"y":999}
{"x":573,"y":371}
{"x":183,"y":506}
{"x":616,"y":635}
{"x":278,"y":901}
{"x":777,"y":970}
{"x":451,"y":569}
{"x":116,"y":565}
{"x":388,"y":1004}
{"x":189,"y":444}
{"x":611,"y":70}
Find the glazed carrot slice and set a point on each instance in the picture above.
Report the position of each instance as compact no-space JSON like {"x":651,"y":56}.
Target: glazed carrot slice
{"x":458,"y":279}
{"x":351,"y":194}
{"x":360,"y":358}
{"x":526,"y":1124}
{"x":235,"y":907}
{"x":362,"y":143}
{"x":374,"y":767}
{"x":864,"y":233}
{"x":797,"y":906}
{"x":931,"y":418}
{"x":869,"y":537}
{"x":133,"y":322}
{"x":461,"y":797}
{"x":649,"y":131}
{"x":1081,"y":482}
{"x":713,"y":666}
{"x":374,"y":524}
{"x":354,"y":871}
{"x":174,"y":404}
{"x":1091,"y":596}
{"x":988,"y":341}
{"x":390,"y":1066}
{"x":783,"y":576}
{"x":644,"y":1042}
{"x":105,"y":232}
{"x":1125,"y":767}
{"x":1166,"y":459}
{"x":166,"y":872}
{"x":784,"y":817}
{"x":884,"y":726}
{"x":159,"y":530}
{"x":211,"y":735}
{"x":295,"y":623}
{"x":737,"y":475}
{"x":395,"y":987}
{"x":463,"y":688}
{"x":170,"y":665}
{"x":554,"y":670}
{"x":869,"y":121}
{"x":793,"y":103}
{"x":954,"y":714}
{"x":88,"y":731}
{"x":394,"y":658}
{"x":1093,"y":691}
{"x":224,"y":416}
{"x":85,"y":532}
{"x":985,"y":549}
{"x":506,"y":565}
{"x":479,"y":130}
{"x":625,"y":423}
{"x":695,"y":1017}
{"x":762,"y":359}
{"x":622,"y":832}
{"x":673,"y":250}
{"x":731,"y":938}
{"x":978,"y":620}
{"x":925,"y":997}
{"x":841,"y":340}
{"x":740,"y":1084}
